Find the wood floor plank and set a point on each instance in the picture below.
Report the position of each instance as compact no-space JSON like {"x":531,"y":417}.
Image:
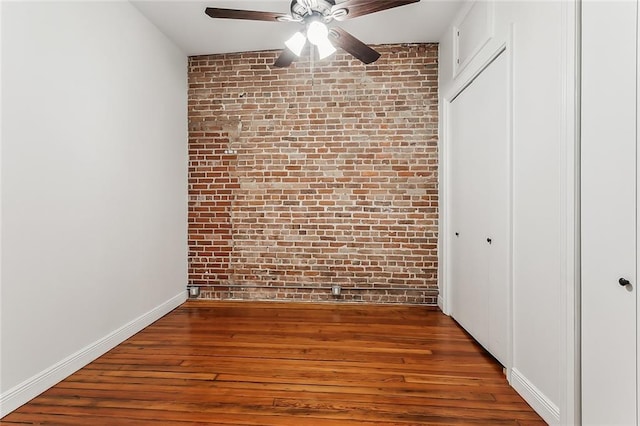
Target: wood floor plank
{"x":250,"y":363}
{"x":191,"y":394}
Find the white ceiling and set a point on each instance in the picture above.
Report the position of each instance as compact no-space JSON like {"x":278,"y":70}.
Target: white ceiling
{"x":195,"y":33}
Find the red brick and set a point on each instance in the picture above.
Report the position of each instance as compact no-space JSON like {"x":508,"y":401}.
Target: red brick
{"x":334,"y":180}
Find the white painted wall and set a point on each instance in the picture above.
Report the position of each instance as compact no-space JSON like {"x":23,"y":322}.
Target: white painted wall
{"x":94,"y":185}
{"x":538,"y":37}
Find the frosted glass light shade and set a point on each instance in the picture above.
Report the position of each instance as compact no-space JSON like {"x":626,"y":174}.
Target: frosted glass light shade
{"x":317,"y":33}
{"x":296,"y":43}
{"x":325,"y":49}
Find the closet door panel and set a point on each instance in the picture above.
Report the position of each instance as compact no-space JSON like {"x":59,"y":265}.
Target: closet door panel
{"x":498,"y":207}
{"x":609,"y":210}
{"x":479,"y":204}
{"x":470,"y":296}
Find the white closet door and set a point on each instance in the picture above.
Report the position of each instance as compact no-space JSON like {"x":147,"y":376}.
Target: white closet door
{"x":470,"y":267}
{"x":480,"y":208}
{"x":497,"y":203}
{"x":609,"y":213}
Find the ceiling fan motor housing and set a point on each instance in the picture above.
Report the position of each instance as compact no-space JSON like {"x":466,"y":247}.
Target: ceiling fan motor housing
{"x":304,"y":10}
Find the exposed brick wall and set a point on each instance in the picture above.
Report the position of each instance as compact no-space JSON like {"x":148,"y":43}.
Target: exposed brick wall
{"x":302,"y":178}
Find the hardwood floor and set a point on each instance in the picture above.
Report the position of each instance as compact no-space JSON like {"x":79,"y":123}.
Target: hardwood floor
{"x":247,"y":363}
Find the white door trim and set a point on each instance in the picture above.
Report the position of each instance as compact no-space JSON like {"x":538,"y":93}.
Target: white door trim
{"x":570,"y":156}
{"x":637,"y":208}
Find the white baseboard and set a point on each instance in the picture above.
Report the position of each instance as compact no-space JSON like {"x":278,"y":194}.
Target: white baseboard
{"x":30,"y":388}
{"x":441,"y":303}
{"x":534,"y":397}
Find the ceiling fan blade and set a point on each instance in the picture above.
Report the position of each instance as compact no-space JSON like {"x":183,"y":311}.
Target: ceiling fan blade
{"x":357,"y":8}
{"x":285,"y":59}
{"x":252,"y":15}
{"x":349,"y":43}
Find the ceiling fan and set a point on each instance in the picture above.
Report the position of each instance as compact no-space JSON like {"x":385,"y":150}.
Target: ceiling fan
{"x":315,"y":15}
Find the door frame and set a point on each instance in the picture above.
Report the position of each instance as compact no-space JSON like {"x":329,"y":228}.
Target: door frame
{"x":571,"y":263}
{"x":637,"y":198}
{"x":445,"y":161}
{"x":502,"y":50}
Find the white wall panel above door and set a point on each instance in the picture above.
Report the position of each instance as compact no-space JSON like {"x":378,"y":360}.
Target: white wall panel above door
{"x":472,"y":32}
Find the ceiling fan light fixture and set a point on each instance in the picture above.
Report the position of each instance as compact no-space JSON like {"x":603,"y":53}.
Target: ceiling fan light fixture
{"x":296,"y":43}
{"x":317,"y":33}
{"x":325,"y":49}
{"x":315,"y":15}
